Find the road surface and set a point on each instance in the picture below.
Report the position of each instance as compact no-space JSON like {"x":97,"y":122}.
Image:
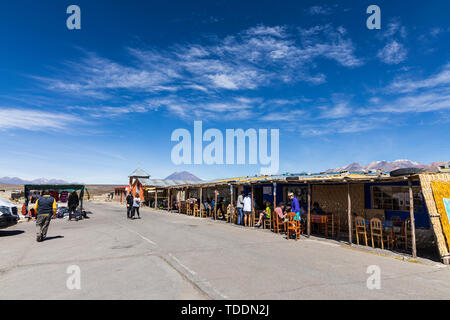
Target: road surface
{"x":172,"y":256}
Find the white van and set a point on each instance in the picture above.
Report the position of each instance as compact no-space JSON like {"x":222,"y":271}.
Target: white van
{"x":8,"y":214}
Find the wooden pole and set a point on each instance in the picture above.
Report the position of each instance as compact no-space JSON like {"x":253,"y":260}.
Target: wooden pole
{"x":308,"y":223}
{"x":169,"y":200}
{"x":413,"y":223}
{"x":215,"y":204}
{"x":179,"y":200}
{"x":251,"y":215}
{"x":201,"y":202}
{"x":231,"y":195}
{"x":274,"y":195}
{"x":349,"y":214}
{"x":273,"y":213}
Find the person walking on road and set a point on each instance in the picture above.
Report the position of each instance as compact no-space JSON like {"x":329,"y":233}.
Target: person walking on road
{"x":240,"y":207}
{"x":136,"y":205}
{"x":129,"y":202}
{"x":45,"y":208}
{"x":73,"y":203}
{"x":247,"y":210}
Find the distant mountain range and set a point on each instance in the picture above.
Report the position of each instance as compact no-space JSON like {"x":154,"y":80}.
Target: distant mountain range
{"x":184,"y":175}
{"x":18,"y":181}
{"x":386,"y":166}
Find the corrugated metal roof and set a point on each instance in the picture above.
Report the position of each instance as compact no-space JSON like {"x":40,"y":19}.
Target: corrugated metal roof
{"x":163,"y":183}
{"x":302,"y":177}
{"x":139,"y":173}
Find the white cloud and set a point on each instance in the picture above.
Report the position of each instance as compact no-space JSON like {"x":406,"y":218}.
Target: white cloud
{"x":393,"y":53}
{"x":261,"y":30}
{"x":253,"y":58}
{"x":320,"y":10}
{"x":34,"y":120}
{"x":339,"y":110}
{"x":440,"y":79}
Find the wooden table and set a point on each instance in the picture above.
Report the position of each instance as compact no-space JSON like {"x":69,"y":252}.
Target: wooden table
{"x":321,"y":219}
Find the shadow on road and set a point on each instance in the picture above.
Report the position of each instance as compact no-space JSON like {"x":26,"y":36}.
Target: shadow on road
{"x":10,"y":233}
{"x":55,"y":237}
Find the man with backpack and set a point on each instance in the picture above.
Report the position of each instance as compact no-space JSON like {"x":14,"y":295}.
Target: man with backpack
{"x":129,"y":202}
{"x":45,"y":208}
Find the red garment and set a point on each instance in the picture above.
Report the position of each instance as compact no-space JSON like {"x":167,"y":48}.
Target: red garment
{"x":55,"y":195}
{"x":63,"y":197}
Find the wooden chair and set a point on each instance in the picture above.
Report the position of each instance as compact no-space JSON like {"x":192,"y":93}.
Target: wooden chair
{"x":196,"y":211}
{"x":255,"y":217}
{"x":278,"y":225}
{"x":397,"y":231}
{"x":293,"y":226}
{"x":235,"y":215}
{"x":406,"y":233}
{"x":376,"y":231}
{"x":341,"y":228}
{"x":360,"y":229}
{"x":229,"y":214}
{"x":188,"y":209}
{"x":203,"y":211}
{"x":331,"y":225}
{"x":267,"y":223}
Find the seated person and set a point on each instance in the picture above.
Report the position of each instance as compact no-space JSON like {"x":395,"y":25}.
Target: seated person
{"x":279,"y":210}
{"x":265,"y":214}
{"x":317,"y":209}
{"x":220,"y":209}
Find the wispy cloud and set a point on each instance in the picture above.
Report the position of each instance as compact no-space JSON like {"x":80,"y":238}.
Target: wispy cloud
{"x":34,"y":120}
{"x":440,"y":79}
{"x":253,"y":58}
{"x":320,"y":10}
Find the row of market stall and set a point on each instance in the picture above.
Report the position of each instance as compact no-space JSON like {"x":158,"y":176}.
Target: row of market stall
{"x":417,"y":200}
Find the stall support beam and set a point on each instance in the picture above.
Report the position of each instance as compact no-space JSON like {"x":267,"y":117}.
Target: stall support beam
{"x":349,"y":214}
{"x":251,"y":216}
{"x":309,"y":211}
{"x":413,"y":223}
{"x":215,"y":203}
{"x":169,"y":201}
{"x":274,"y":214}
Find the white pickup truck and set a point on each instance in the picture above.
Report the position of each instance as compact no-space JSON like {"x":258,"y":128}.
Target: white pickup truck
{"x":8,"y":214}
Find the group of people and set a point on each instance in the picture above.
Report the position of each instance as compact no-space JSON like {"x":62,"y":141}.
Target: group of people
{"x":244,"y":207}
{"x":133,"y":205}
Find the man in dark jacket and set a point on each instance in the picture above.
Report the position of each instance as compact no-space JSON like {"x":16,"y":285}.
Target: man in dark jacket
{"x":45,"y":208}
{"x":73,"y":203}
{"x":129,"y":202}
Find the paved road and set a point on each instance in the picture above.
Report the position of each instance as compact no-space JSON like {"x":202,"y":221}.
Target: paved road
{"x":172,"y":256}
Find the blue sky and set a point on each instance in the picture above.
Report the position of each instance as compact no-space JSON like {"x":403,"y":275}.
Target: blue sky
{"x":91,"y":105}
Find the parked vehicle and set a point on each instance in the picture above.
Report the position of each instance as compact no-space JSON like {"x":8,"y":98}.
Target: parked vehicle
{"x":8,"y":214}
